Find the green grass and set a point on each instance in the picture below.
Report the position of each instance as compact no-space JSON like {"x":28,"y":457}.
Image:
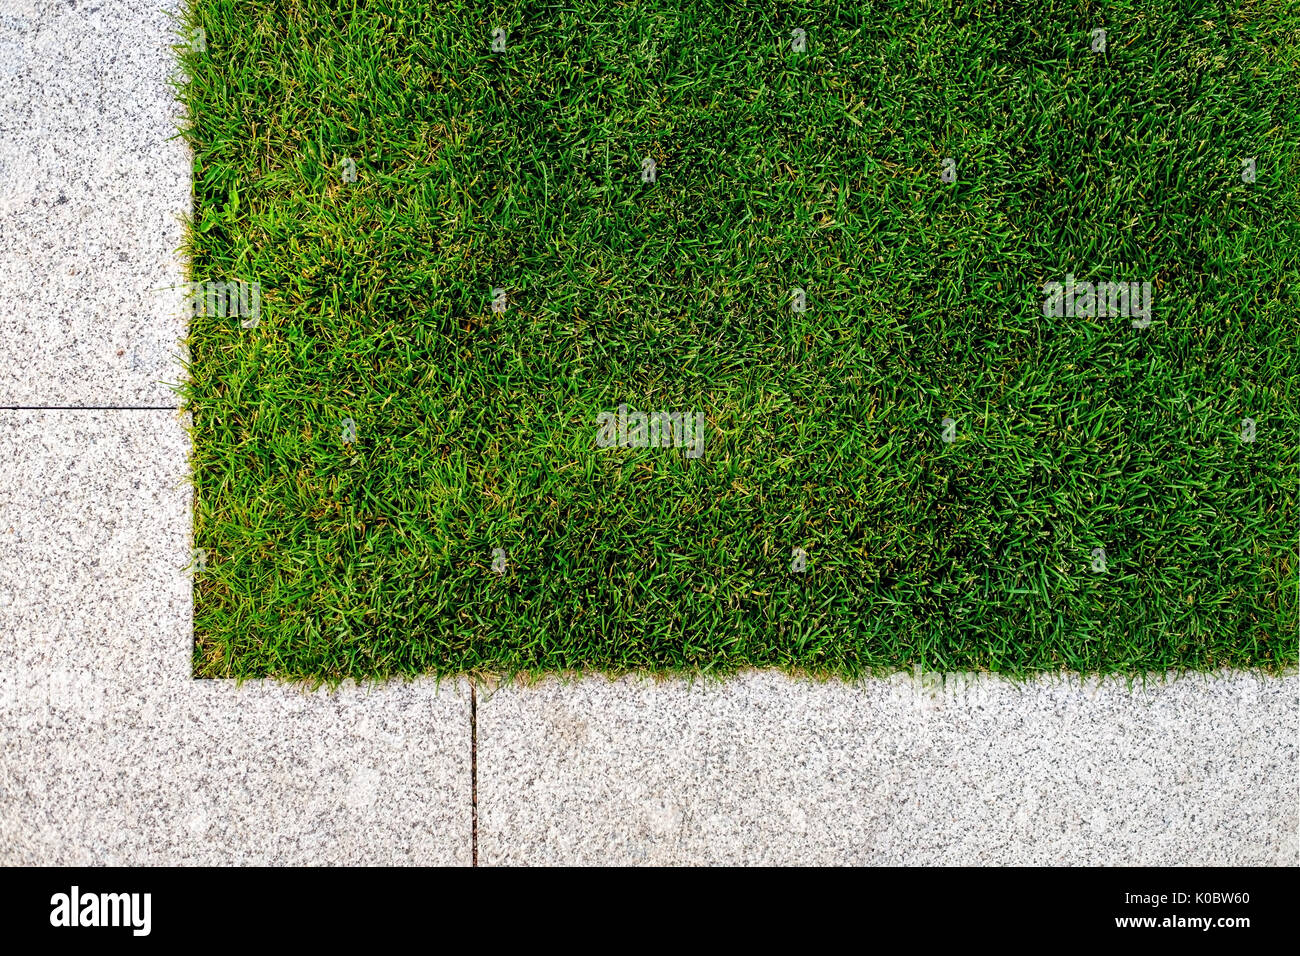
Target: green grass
{"x":776,"y":170}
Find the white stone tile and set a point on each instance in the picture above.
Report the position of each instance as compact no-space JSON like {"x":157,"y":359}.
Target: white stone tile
{"x":767,"y":769}
{"x":113,"y":754}
{"x":93,"y":186}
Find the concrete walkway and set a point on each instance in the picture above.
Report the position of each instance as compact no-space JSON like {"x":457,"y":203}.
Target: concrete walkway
{"x":111,"y":753}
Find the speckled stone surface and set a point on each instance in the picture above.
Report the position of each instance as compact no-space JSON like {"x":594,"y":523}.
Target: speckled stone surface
{"x":111,"y":754}
{"x":92,"y":186}
{"x":765,"y":769}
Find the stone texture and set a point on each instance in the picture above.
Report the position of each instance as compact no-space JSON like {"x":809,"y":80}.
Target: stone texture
{"x":113,"y":754}
{"x":92,"y":190}
{"x":765,"y":769}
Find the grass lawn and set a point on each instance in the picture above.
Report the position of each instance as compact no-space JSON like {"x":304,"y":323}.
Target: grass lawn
{"x":908,"y":453}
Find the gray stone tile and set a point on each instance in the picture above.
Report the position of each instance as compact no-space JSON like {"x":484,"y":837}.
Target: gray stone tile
{"x":112,"y":754}
{"x":766,"y":769}
{"x":92,"y":188}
